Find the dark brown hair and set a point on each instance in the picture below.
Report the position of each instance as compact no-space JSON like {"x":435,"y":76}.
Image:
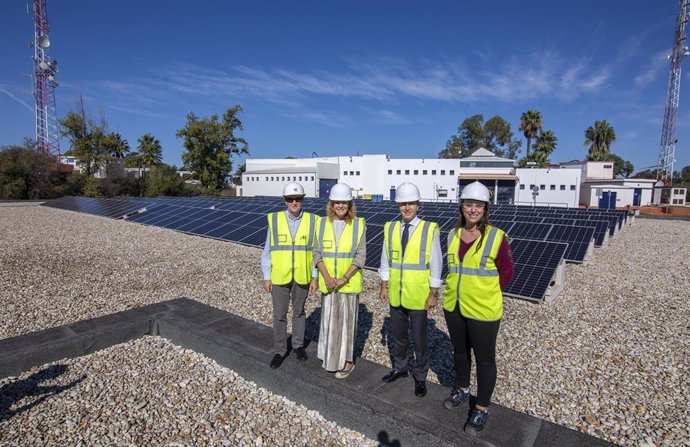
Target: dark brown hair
{"x":481,"y":225}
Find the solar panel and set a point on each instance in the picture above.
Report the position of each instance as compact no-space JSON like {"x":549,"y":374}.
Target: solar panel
{"x":539,"y":272}
{"x":243,"y":220}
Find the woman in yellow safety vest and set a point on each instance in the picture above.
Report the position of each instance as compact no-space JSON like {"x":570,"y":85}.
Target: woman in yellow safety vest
{"x":339,"y":255}
{"x":480,"y":266}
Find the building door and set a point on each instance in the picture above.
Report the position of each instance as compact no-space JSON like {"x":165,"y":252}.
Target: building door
{"x":392,"y":194}
{"x":637,"y":197}
{"x":607,"y":200}
{"x":325,"y":186}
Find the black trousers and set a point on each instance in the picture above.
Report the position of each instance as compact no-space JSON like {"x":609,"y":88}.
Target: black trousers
{"x":401,"y":321}
{"x":469,"y":335}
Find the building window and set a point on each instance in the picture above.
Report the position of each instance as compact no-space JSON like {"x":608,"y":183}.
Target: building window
{"x":522,"y":187}
{"x":356,"y":172}
{"x":416,"y":172}
{"x":397,"y":171}
{"x":344,"y":172}
{"x":531,"y":187}
{"x":294,"y":178}
{"x":433,"y":172}
{"x":390,"y":172}
{"x":352,"y":172}
{"x":424,"y":172}
{"x":312,"y":178}
{"x":562,"y":187}
{"x":282,"y":179}
{"x":443,"y":172}
{"x":407,"y":172}
{"x":608,"y":166}
{"x":300,"y":178}
{"x":271,"y":178}
{"x":542,"y":187}
{"x":553,"y":187}
{"x":451,"y":172}
{"x":572,"y":187}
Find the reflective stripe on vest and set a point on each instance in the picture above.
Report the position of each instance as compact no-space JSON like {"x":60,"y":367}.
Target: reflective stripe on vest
{"x":474,"y":284}
{"x":338,"y":263}
{"x":291,"y":258}
{"x":410,"y":273}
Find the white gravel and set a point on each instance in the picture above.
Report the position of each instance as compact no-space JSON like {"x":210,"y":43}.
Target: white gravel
{"x":609,"y":357}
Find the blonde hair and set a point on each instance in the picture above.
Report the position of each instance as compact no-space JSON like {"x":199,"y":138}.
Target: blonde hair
{"x":349,"y":216}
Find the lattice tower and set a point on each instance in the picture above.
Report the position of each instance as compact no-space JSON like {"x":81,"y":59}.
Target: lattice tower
{"x":44,"y":72}
{"x":667,"y":150}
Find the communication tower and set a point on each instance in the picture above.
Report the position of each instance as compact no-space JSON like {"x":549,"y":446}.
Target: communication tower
{"x":44,"y":72}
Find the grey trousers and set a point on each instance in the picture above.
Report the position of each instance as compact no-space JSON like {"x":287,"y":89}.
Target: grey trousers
{"x":282,"y":296}
{"x":401,"y":320}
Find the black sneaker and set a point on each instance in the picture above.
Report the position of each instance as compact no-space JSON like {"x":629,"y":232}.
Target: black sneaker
{"x":456,"y":398}
{"x":276,"y":361}
{"x":301,"y":354}
{"x":476,"y":422}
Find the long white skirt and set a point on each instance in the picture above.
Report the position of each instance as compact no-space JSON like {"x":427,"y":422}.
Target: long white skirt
{"x":338,"y":330}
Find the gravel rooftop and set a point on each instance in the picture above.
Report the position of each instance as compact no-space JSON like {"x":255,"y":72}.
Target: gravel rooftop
{"x":609,"y":357}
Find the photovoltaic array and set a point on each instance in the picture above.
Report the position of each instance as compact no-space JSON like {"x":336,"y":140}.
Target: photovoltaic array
{"x":541,"y":238}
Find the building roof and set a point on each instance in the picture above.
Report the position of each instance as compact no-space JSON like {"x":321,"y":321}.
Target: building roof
{"x":483,"y":154}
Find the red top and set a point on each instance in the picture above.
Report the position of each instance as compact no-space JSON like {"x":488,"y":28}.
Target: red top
{"x":504,"y":260}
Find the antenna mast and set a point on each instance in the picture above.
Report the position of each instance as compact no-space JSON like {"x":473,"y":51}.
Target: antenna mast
{"x":44,"y":72}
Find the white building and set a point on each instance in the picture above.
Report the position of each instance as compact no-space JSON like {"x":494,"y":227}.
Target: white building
{"x":437,"y":179}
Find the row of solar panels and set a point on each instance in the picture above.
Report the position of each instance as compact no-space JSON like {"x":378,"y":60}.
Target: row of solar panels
{"x":539,"y":249}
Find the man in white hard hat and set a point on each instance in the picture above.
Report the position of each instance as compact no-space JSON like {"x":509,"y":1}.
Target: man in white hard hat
{"x":288,"y":270}
{"x":410,"y":272}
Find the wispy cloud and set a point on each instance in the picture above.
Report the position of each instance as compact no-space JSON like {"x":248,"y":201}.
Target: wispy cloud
{"x":14,"y":97}
{"x":656,"y":65}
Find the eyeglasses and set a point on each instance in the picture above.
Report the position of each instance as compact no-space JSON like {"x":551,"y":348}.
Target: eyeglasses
{"x":293,"y":199}
{"x":471,"y":205}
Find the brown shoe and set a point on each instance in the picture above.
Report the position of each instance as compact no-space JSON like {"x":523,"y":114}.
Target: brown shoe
{"x":342,"y":374}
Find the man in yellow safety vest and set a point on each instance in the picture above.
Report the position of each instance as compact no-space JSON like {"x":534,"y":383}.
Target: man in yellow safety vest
{"x":410,"y":272}
{"x":288,"y":270}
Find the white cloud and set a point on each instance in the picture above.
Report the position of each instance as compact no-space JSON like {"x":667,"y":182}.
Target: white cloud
{"x":656,"y":65}
{"x":15,"y":98}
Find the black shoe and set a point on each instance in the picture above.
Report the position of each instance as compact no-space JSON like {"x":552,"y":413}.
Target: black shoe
{"x":420,"y":388}
{"x":394,"y":375}
{"x":456,"y":398}
{"x":301,"y":354}
{"x":476,"y":422}
{"x":276,"y":361}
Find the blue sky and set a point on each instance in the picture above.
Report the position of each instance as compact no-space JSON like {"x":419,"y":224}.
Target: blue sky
{"x":348,"y":77}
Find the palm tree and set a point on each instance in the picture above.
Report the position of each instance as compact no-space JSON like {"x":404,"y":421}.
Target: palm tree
{"x":530,"y":123}
{"x":150,"y":151}
{"x":599,"y":139}
{"x":546,"y":142}
{"x":541,"y":158}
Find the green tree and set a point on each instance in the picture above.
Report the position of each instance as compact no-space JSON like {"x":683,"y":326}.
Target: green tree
{"x":237,"y":178}
{"x":530,"y":124}
{"x":473,"y":133}
{"x":150,"y":150}
{"x":114,"y":145}
{"x":85,"y":137}
{"x":546,"y":142}
{"x":621,"y":167}
{"x":599,"y":139}
{"x":210,"y":144}
{"x":24,"y":173}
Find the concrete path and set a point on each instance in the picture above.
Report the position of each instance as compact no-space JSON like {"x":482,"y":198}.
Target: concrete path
{"x":389,"y":413}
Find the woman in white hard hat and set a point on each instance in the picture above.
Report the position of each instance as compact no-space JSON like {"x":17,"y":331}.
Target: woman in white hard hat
{"x":339,"y":255}
{"x":480,"y":255}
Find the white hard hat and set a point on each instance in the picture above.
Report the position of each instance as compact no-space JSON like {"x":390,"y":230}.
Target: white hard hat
{"x":293,"y":189}
{"x":340,"y":192}
{"x":407,"y":192}
{"x":475,"y":191}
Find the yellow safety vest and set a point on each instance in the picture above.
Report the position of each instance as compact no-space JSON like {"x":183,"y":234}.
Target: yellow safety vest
{"x":291,"y":259}
{"x":338,"y":259}
{"x":408,"y":283}
{"x":475,"y":284}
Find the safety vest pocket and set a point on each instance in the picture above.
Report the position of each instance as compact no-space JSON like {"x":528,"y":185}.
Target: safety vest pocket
{"x":395,"y":255}
{"x":282,"y":238}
